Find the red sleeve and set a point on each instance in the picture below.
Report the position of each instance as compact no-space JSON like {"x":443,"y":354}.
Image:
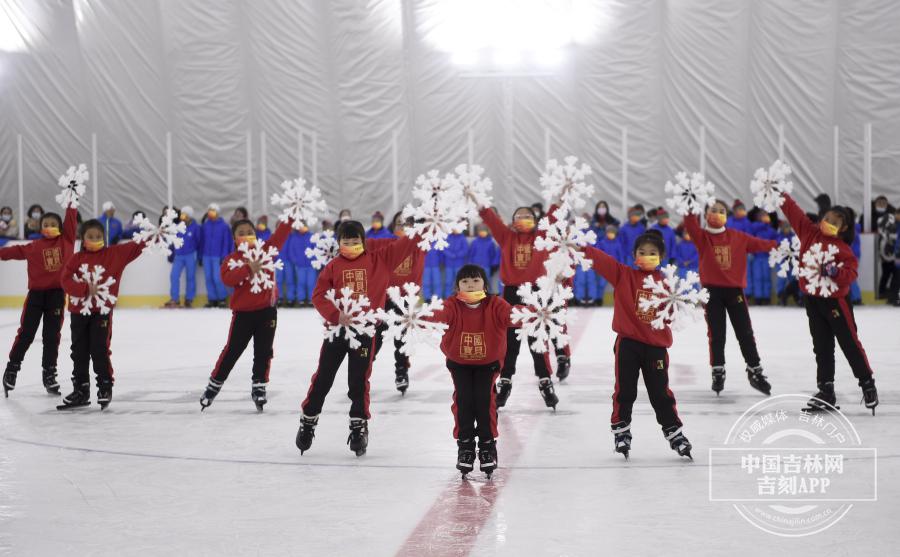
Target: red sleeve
{"x":498,"y":229}
{"x":608,"y":267}
{"x":847,"y":274}
{"x":692,"y":225}
{"x":14,"y":252}
{"x":233,"y":277}
{"x":396,"y":251}
{"x":798,"y":219}
{"x":550,"y":213}
{"x":70,"y":225}
{"x":282,"y":231}
{"x":503,"y":314}
{"x":376,"y":244}
{"x":757,"y":245}
{"x":67,"y":279}
{"x":324,"y":283}
{"x":128,"y":251}
{"x":445,"y":315}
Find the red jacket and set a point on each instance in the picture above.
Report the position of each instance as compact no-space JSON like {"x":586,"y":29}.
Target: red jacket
{"x":409,"y":270}
{"x":628,"y":319}
{"x":368,"y":274}
{"x":239,"y":278}
{"x":476,"y":336}
{"x":519,"y":261}
{"x":46,"y":257}
{"x":809,"y":234}
{"x":113,"y":259}
{"x":723,"y":256}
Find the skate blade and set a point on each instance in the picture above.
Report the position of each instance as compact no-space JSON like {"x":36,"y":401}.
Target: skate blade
{"x":72,"y":406}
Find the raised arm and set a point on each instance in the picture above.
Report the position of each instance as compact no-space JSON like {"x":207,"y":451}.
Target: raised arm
{"x":607,"y":266}
{"x":795,"y":215}
{"x":70,"y":225}
{"x":395,"y":252}
{"x":692,"y":225}
{"x":495,"y":224}
{"x":282,"y":232}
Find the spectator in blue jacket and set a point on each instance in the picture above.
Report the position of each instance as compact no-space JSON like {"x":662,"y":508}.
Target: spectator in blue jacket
{"x":787,"y":286}
{"x":304,"y":274}
{"x":185,"y":259}
{"x":112,"y":227}
{"x":484,"y":252}
{"x":431,"y":275}
{"x":216,"y":243}
{"x":132,"y":229}
{"x":855,"y":292}
{"x":609,"y":243}
{"x":454,"y":258}
{"x":686,"y":256}
{"x":668,"y":233}
{"x":635,"y":226}
{"x":378,"y":230}
{"x":760,"y":272}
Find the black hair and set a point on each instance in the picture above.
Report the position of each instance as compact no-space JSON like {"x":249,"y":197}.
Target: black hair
{"x":33,"y":207}
{"x":239,"y":222}
{"x":472,"y":271}
{"x":849,"y":217}
{"x":243,"y":211}
{"x":653,"y":237}
{"x":719,"y":202}
{"x":529,"y":209}
{"x":394,"y":220}
{"x":4,"y":208}
{"x":88,"y":224}
{"x":351,"y":229}
{"x":58,"y":218}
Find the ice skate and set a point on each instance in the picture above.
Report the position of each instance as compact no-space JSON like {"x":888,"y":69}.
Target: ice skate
{"x":78,"y":398}
{"x":359,"y":436}
{"x":212,"y":389}
{"x":823,"y":401}
{"x":401,"y":379}
{"x":758,"y":381}
{"x":678,"y":441}
{"x":465,"y":456}
{"x":50,"y":383}
{"x":307,"y":432}
{"x":718,"y":379}
{"x":562,"y":367}
{"x":9,"y":377}
{"x":870,"y":393}
{"x":487,"y":456}
{"x":622,"y":438}
{"x":104,"y":395}
{"x":258,"y":394}
{"x":548,"y":393}
{"x":504,"y":388}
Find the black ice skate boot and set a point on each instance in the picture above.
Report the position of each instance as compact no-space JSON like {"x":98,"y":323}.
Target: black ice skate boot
{"x":548,"y":393}
{"x":870,"y":393}
{"x":50,"y":383}
{"x":104,"y":395}
{"x":758,"y":381}
{"x":212,"y":389}
{"x":465,"y":456}
{"x":622,"y":438}
{"x":307,"y":432}
{"x":258,"y":395}
{"x":678,"y":441}
{"x":487,"y":456}
{"x":504,"y":388}
{"x":563,"y":366}
{"x":824,"y":400}
{"x":78,"y":398}
{"x":359,"y":436}
{"x":718,"y":379}
{"x":401,"y":378}
{"x":9,"y":376}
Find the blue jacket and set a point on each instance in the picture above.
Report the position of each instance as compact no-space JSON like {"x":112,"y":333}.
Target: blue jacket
{"x":215,"y":239}
{"x":855,"y":246}
{"x":112,"y":229}
{"x":455,"y":253}
{"x":686,"y":256}
{"x":433,"y":257}
{"x":483,"y":252}
{"x":628,"y":233}
{"x":295,"y":248}
{"x":382,"y":232}
{"x":263,"y":235}
{"x":669,"y":239}
{"x":612,"y":248}
{"x":764,"y":231}
{"x":743,"y":224}
{"x":191,"y":237}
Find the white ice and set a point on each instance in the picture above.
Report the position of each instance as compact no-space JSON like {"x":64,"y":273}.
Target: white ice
{"x":154,"y":476}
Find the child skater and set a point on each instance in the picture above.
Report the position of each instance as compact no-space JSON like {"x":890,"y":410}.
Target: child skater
{"x":45,"y":299}
{"x":253,"y":316}
{"x":723,"y":271}
{"x":520,"y":264}
{"x":831,"y":317}
{"x":92,"y":333}
{"x":474,"y":344}
{"x":365,"y":272}
{"x":640,"y":349}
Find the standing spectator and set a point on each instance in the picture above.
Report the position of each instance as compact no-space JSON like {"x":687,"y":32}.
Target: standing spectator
{"x":538,"y":209}
{"x":630,"y":231}
{"x":112,"y":227}
{"x":344,"y":216}
{"x":454,"y":259}
{"x":856,"y":246}
{"x":484,"y":252}
{"x":216,"y":243}
{"x":760,"y":273}
{"x":304,"y":274}
{"x":602,"y":218}
{"x":668,"y":233}
{"x":377,"y":229}
{"x":887,"y":245}
{"x":609,"y":243}
{"x":431,"y":276}
{"x":33,"y":222}
{"x":8,"y":228}
{"x":880,"y":208}
{"x":239,"y":213}
{"x":185,"y":259}
{"x":132,"y":229}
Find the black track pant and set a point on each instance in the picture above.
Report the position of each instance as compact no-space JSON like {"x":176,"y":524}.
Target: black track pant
{"x":632,"y":358}
{"x":887,"y":273}
{"x":359,"y":368}
{"x":258,"y":325}
{"x":541,"y":361}
{"x":48,"y":305}
{"x":91,"y":335}
{"x":401,"y":360}
{"x":731,"y":301}
{"x":474,"y":400}
{"x":830,"y":319}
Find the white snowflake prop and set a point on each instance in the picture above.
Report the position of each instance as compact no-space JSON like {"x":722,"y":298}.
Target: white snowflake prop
{"x":814,"y":260}
{"x":565,"y":241}
{"x":673,"y":297}
{"x":410,"y":326}
{"x":442,"y":211}
{"x":158,"y":239}
{"x":102,"y":300}
{"x":73,"y":186}
{"x":565,"y":182}
{"x":300,"y":203}
{"x":768,"y":186}
{"x":362,"y":319}
{"x":475,"y":189}
{"x":786,"y":257}
{"x":545,"y":316}
{"x":267,"y":257}
{"x":324,"y":248}
{"x":690,"y":194}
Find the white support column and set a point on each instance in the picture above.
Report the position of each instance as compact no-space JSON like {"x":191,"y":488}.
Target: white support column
{"x":95,"y":179}
{"x":546,"y":145}
{"x":263,"y":171}
{"x":315,"y":158}
{"x":624,"y":171}
{"x":867,"y":175}
{"x":395,"y":173}
{"x":249,"y":171}
{"x":703,"y":150}
{"x":470,"y":146}
{"x":781,"y":142}
{"x":300,"y":161}
{"x":835,"y":165}
{"x":20,"y":170}
{"x":169,"y":186}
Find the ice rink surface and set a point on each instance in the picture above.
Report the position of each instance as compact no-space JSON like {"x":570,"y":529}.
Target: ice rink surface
{"x":154,"y":476}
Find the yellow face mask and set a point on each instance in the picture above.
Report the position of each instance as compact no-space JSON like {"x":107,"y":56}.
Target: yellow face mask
{"x":740,"y":213}
{"x":261,"y":227}
{"x":634,"y":219}
{"x":304,"y":229}
{"x":664,"y":221}
{"x":93,"y":246}
{"x":352,"y":252}
{"x":716,"y":220}
{"x":482,"y":233}
{"x":377,"y":225}
{"x":472,"y":297}
{"x":828,"y":229}
{"x":184,"y":217}
{"x":647,"y":262}
{"x":766,"y":219}
{"x":249,"y":240}
{"x":611,"y":235}
{"x":524,"y":225}
{"x":50,"y":232}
